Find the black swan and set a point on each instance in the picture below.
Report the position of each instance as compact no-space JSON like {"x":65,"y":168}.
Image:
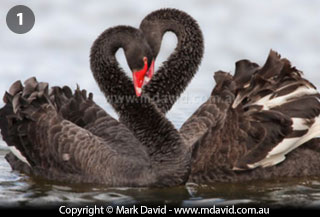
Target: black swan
{"x":267,"y":124}
{"x":241,"y":132}
{"x":256,"y":119}
{"x":93,"y":147}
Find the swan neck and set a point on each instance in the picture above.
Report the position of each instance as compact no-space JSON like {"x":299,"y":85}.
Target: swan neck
{"x":182,"y":64}
{"x":111,"y":79}
{"x":139,"y":114}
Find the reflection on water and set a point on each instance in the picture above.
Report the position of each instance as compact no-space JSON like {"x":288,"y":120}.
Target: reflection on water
{"x":58,"y":47}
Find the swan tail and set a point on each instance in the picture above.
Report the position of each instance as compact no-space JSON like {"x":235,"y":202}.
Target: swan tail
{"x":79,"y":108}
{"x":22,"y":106}
{"x":28,"y":121}
{"x":17,"y":161}
{"x":5,"y":113}
{"x":32,"y":128}
{"x":279,"y":110}
{"x":75,"y":107}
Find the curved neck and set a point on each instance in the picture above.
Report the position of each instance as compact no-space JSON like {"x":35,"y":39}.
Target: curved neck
{"x":175,"y":74}
{"x":152,"y":129}
{"x":105,"y":67}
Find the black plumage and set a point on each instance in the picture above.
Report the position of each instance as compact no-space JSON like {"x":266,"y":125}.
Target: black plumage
{"x":234,"y":134}
{"x":260,"y":123}
{"x":264,"y":131}
{"x":65,"y":136}
{"x":174,"y":75}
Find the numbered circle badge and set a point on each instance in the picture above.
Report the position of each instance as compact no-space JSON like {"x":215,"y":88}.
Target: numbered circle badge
{"x":20,"y":19}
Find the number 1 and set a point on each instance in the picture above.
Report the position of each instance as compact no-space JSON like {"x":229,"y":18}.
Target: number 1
{"x":20,"y":15}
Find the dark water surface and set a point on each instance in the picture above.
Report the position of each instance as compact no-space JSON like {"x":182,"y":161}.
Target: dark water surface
{"x":20,"y":190}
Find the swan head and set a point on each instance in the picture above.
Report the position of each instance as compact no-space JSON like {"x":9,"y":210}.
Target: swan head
{"x":140,"y":61}
{"x":143,"y":75}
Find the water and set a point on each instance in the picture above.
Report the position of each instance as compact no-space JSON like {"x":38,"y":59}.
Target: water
{"x":57,"y":51}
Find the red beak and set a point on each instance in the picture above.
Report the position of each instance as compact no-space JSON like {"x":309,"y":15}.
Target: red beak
{"x":142,"y":77}
{"x":149,"y":74}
